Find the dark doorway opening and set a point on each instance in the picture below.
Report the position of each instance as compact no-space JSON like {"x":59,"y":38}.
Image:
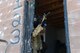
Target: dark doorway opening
{"x":55,"y":31}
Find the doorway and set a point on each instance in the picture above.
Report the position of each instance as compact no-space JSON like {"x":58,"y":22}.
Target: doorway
{"x":55,"y":38}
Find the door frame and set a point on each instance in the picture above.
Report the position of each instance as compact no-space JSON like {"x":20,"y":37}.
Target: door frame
{"x":66,"y":26}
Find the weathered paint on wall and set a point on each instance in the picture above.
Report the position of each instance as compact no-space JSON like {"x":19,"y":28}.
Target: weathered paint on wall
{"x":73,"y":10}
{"x":11,"y":22}
{"x":16,"y":25}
